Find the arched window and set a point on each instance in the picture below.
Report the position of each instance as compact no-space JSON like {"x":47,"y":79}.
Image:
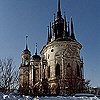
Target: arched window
{"x":34,"y":75}
{"x":68,"y":65}
{"x":78,"y":70}
{"x":57,"y":70}
{"x":48,"y":71}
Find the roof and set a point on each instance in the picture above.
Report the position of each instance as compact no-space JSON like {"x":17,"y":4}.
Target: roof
{"x":36,"y":57}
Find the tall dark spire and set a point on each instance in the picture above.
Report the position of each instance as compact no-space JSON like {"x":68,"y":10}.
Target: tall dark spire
{"x":58,"y":5}
{"x":36,"y":49}
{"x":72,"y":30}
{"x":59,"y":11}
{"x":26,"y":43}
{"x":68,"y":30}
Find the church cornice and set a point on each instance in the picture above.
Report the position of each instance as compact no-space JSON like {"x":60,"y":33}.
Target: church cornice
{"x":60,"y":43}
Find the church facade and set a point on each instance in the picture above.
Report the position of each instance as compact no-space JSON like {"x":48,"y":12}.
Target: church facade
{"x":59,"y":70}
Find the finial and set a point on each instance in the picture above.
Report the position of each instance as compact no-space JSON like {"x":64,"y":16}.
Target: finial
{"x":65,"y":26}
{"x":59,"y":11}
{"x":72,"y":30}
{"x":26,"y":43}
{"x":36,"y":49}
{"x":68,"y":29}
{"x":50,"y":31}
{"x":54,"y":17}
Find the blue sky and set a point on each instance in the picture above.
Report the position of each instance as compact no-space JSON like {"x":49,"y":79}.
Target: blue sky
{"x":19,"y":18}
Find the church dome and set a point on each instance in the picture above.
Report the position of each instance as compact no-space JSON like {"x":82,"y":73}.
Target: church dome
{"x":36,"y":57}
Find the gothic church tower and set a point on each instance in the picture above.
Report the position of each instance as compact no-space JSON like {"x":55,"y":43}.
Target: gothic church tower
{"x":24,"y":70}
{"x":62,"y":54}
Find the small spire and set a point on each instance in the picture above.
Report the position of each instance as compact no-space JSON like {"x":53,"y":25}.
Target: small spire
{"x":54,"y":17}
{"x":50,"y":31}
{"x":72,"y":30}
{"x":54,"y":25}
{"x":48,"y":34}
{"x":65,"y":26}
{"x":36,"y":49}
{"x":26,"y":43}
{"x":68,"y":30}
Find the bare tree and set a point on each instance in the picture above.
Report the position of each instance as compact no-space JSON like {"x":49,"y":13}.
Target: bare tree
{"x":8,"y":75}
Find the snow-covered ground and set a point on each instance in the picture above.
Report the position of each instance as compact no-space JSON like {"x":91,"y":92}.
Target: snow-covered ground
{"x":12,"y":96}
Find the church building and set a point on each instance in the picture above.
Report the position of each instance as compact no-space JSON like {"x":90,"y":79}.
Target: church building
{"x":59,"y":70}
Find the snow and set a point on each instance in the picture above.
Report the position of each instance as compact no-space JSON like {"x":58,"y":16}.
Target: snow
{"x":12,"y":96}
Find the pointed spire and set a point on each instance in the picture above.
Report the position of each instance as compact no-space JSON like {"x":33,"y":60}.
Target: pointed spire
{"x":65,"y":23}
{"x":54,"y":17}
{"x":68,"y":30}
{"x":54,"y":24}
{"x":50,"y":31}
{"x":72,"y":30}
{"x":58,"y":5}
{"x":26,"y":43}
{"x":59,"y":11}
{"x":65,"y":27}
{"x":36,"y":49}
{"x":48,"y":34}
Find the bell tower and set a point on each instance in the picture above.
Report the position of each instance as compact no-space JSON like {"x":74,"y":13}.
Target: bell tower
{"x":26,"y":54}
{"x":24,"y":70}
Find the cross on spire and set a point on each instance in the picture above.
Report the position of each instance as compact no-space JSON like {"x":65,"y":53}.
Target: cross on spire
{"x":26,"y":43}
{"x":36,"y":49}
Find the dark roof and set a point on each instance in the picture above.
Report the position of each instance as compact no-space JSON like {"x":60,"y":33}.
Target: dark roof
{"x":26,"y":51}
{"x":36,"y":57}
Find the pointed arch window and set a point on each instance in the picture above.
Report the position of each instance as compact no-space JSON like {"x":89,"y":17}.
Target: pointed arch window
{"x":78,"y":70}
{"x":34,"y":75}
{"x":57,"y":70}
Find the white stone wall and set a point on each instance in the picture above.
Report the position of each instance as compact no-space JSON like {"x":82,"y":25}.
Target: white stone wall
{"x":62,"y":52}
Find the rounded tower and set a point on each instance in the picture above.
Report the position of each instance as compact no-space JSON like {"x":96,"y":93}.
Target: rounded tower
{"x":64,"y":68}
{"x":35,"y":67}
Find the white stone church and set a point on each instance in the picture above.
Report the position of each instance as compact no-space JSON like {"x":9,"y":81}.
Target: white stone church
{"x":59,"y":70}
